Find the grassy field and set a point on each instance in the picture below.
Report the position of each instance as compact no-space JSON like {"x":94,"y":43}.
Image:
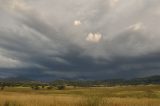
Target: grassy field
{"x":95,"y":96}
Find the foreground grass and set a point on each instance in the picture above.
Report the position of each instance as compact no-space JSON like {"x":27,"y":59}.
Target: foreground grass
{"x":109,"y":96}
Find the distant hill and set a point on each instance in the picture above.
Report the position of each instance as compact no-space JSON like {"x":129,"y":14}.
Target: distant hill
{"x":137,"y":81}
{"x":146,"y":80}
{"x":108,"y":82}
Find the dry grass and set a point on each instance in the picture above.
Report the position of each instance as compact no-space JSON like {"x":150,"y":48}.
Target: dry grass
{"x":81,"y":97}
{"x":63,"y":100}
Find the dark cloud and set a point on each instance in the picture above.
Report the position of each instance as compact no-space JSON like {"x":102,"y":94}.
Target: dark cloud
{"x":38,"y":39}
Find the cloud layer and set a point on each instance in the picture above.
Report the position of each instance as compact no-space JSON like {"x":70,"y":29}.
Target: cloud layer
{"x":58,"y":39}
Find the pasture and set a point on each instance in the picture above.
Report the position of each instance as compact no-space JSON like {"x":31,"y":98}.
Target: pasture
{"x":142,"y":95}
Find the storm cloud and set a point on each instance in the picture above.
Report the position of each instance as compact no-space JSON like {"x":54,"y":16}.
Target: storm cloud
{"x":79,"y":39}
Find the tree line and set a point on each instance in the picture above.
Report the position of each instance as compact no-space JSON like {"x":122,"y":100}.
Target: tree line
{"x":61,"y":84}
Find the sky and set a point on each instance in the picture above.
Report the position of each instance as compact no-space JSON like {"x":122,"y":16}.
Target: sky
{"x":79,"y":39}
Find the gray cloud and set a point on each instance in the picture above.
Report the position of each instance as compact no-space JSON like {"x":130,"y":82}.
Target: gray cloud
{"x":38,"y":39}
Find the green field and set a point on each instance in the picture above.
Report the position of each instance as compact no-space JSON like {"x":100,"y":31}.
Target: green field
{"x":88,"y":96}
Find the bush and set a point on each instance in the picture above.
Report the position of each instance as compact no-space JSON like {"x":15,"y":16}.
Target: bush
{"x":2,"y":87}
{"x":7,"y":103}
{"x":35,"y":87}
{"x":43,"y":86}
{"x":61,"y":87}
{"x":49,"y":87}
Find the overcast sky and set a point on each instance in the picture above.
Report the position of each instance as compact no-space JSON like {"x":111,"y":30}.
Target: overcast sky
{"x":79,"y":39}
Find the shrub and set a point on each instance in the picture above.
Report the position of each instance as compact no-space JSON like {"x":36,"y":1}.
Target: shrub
{"x":2,"y":87}
{"x":7,"y":103}
{"x":43,"y":86}
{"x":61,"y":87}
{"x":49,"y":87}
{"x":35,"y":87}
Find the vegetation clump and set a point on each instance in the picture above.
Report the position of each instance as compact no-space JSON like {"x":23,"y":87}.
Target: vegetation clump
{"x":61,"y":87}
